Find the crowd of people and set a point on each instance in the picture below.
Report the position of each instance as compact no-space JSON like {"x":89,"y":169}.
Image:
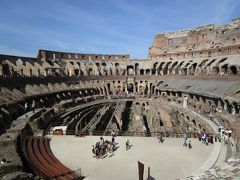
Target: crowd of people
{"x":103,"y":147}
{"x":207,"y":138}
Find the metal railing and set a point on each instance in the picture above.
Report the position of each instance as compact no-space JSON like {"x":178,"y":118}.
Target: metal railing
{"x":127,"y":133}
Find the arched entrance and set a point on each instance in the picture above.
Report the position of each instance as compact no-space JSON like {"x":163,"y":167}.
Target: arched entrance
{"x":233,"y":70}
{"x":130,"y":87}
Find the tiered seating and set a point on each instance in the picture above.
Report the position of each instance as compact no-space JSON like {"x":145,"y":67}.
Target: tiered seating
{"x":42,"y":161}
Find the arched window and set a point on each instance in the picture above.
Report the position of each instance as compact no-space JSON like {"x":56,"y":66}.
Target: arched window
{"x":233,"y":70}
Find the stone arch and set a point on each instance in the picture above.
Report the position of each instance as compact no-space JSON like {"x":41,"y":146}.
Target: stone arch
{"x":98,"y":68}
{"x":101,"y":90}
{"x":147,"y":71}
{"x":118,"y":90}
{"x":136,"y":68}
{"x":165,"y":69}
{"x":179,"y":67}
{"x":235,"y":106}
{"x":159,"y":69}
{"x":216,"y":70}
{"x":76,"y":72}
{"x":130,"y":88}
{"x":184,"y":71}
{"x":194,"y":122}
{"x":224,"y":69}
{"x":154,"y":69}
{"x":6,"y":70}
{"x":171,"y":70}
{"x":152,"y":88}
{"x":117,"y":70}
{"x":104,"y":90}
{"x":161,"y":123}
{"x":193,"y":68}
{"x":109,"y":88}
{"x":105,"y":69}
{"x":233,"y":70}
{"x":90,"y":71}
{"x":140,"y":89}
{"x":130,"y":70}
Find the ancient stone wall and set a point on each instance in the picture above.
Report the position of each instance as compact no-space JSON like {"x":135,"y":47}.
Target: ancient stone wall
{"x":55,"y":55}
{"x":202,"y":42}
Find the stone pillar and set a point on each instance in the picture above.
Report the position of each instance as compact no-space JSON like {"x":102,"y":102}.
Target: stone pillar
{"x":30,"y":72}
{"x":185,"y":101}
{"x":225,"y":106}
{"x":1,"y":70}
{"x":136,"y":87}
{"x":38,"y":72}
{"x":219,"y":106}
{"x":149,"y":90}
{"x":233,"y":111}
{"x":179,"y":72}
{"x":46,"y":72}
{"x":12,"y":72}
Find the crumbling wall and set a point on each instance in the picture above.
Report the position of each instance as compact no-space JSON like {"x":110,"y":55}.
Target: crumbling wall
{"x":204,"y":41}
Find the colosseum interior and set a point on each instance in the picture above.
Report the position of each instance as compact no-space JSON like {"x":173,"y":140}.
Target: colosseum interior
{"x":190,"y":83}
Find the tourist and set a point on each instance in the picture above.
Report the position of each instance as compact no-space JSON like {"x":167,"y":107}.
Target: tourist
{"x":127,"y":145}
{"x":206,"y":140}
{"x":97,"y":152}
{"x":113,"y":146}
{"x":219,"y":139}
{"x":113,"y":134}
{"x":161,"y":137}
{"x":204,"y":137}
{"x":93,"y":150}
{"x":3,"y":160}
{"x":185,"y":139}
{"x":189,"y":145}
{"x":199,"y":137}
{"x":113,"y":139}
{"x":211,"y":139}
{"x":225,"y":138}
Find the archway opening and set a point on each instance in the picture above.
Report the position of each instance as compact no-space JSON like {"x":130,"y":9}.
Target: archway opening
{"x":148,"y":72}
{"x":233,"y":70}
{"x":130,"y":70}
{"x":130,"y":87}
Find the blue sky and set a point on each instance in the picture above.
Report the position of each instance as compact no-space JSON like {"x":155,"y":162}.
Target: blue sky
{"x":102,"y":26}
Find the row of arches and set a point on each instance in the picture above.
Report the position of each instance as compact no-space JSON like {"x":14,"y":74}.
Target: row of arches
{"x":217,"y":66}
{"x":198,"y":102}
